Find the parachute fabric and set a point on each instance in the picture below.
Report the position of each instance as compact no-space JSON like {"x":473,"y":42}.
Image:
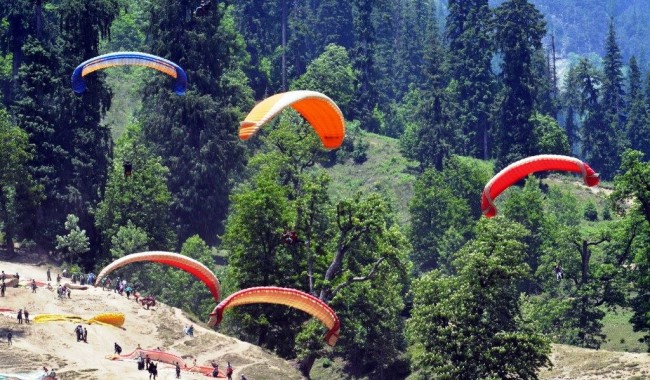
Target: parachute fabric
{"x":175,"y":260}
{"x":522,"y":168}
{"x":129,"y":58}
{"x":282,"y":296}
{"x":318,"y":109}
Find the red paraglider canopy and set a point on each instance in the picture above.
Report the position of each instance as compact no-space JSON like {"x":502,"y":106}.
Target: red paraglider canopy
{"x":522,"y":168}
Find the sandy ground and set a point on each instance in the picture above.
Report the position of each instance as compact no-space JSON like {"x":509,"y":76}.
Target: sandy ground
{"x":54,"y":345}
{"x":582,"y":364}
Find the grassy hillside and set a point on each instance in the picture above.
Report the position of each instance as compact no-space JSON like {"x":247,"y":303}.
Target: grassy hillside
{"x":386,"y":171}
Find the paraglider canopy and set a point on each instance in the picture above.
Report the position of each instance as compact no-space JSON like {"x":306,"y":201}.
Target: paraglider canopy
{"x":129,"y":58}
{"x":522,"y":168}
{"x":167,"y":258}
{"x":318,"y":109}
{"x":282,"y":296}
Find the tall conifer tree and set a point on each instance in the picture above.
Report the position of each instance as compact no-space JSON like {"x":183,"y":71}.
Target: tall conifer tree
{"x":196,"y":135}
{"x":364,"y":49}
{"x":613,"y":86}
{"x":598,"y":136}
{"x":638,"y":121}
{"x":468,"y":31}
{"x":519,"y":31}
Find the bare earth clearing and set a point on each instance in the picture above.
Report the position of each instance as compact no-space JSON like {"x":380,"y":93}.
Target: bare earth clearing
{"x":54,"y":345}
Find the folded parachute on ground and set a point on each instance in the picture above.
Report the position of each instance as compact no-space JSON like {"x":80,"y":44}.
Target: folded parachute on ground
{"x":522,"y":168}
{"x":282,"y":296}
{"x":129,"y":58}
{"x":167,"y":258}
{"x":318,"y":109}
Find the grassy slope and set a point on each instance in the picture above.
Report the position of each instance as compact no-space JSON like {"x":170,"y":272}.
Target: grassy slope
{"x":385,"y":171}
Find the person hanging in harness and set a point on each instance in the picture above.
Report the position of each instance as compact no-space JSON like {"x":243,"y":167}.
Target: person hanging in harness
{"x":290,"y":237}
{"x":559,"y":272}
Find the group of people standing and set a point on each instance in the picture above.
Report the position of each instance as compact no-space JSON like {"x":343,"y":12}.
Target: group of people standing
{"x":21,"y":313}
{"x":82,"y":333}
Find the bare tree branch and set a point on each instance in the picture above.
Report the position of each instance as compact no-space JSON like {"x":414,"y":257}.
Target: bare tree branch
{"x":352,"y":280}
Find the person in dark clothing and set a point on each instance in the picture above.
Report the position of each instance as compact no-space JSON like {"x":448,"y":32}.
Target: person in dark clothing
{"x":85,"y":335}
{"x":229,"y":371}
{"x":79,"y":332}
{"x":20,"y":316}
{"x":140,"y":362}
{"x":9,"y":336}
{"x":178,"y":371}
{"x":118,"y":349}
{"x":49,"y":274}
{"x":153,"y":370}
{"x":559,"y":272}
{"x":3,"y":287}
{"x":26,"y":313}
{"x":34,"y":286}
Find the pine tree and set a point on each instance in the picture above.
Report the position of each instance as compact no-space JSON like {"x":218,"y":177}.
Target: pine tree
{"x":363,"y":51}
{"x":570,"y":102}
{"x":72,"y":149}
{"x":258,"y":24}
{"x":638,"y":118}
{"x":196,"y":135}
{"x":519,"y":30}
{"x":613,"y":86}
{"x":468,"y":31}
{"x":598,"y":136}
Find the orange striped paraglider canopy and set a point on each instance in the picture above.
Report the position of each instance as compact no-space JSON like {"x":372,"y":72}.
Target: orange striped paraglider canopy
{"x":318,"y":109}
{"x":282,"y":296}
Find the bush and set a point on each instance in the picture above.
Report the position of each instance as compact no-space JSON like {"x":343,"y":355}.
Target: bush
{"x":591,"y":212}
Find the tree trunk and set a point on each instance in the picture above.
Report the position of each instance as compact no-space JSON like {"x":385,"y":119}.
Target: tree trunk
{"x":306,"y":364}
{"x":284,"y":45}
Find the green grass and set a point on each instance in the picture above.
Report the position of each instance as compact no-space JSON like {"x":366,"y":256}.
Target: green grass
{"x":385,"y":171}
{"x":620,"y":336}
{"x":126,"y":85}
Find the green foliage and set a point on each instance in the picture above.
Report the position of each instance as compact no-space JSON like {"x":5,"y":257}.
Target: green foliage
{"x":196,"y":135}
{"x":519,"y":30}
{"x":599,"y":141}
{"x":638,"y":115}
{"x":76,"y":242}
{"x":469,"y":326}
{"x":129,"y":239}
{"x":443,"y":209}
{"x":332,"y":74}
{"x":468,"y":29}
{"x":141,"y":199}
{"x":18,"y":193}
{"x":350,"y":253}
{"x":632,"y":183}
{"x":591,"y":212}
{"x":526,"y":207}
{"x":550,"y":138}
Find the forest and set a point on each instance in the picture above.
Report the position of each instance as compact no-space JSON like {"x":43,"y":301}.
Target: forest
{"x":424,"y":285}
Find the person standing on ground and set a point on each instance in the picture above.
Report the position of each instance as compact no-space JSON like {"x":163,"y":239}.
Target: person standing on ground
{"x":178,"y":371}
{"x":9,"y":336}
{"x":20,"y":316}
{"x":49,"y":275}
{"x":33,"y":286}
{"x":26,"y":316}
{"x":85,"y":335}
{"x":229,"y":371}
{"x":3,"y":287}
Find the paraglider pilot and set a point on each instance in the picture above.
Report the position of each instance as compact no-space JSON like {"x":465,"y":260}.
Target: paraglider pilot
{"x":559,"y":272}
